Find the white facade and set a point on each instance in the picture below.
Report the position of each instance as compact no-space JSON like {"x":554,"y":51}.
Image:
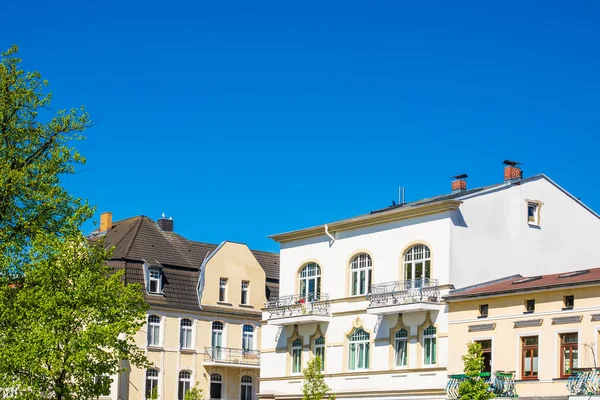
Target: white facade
{"x":485,"y":237}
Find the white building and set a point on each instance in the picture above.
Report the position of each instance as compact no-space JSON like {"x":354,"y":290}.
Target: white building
{"x":365,"y":292}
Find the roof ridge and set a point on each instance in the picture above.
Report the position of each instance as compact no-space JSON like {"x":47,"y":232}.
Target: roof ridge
{"x":477,"y":285}
{"x":265,"y":252}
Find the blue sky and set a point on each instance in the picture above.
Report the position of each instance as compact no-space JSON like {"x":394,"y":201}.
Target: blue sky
{"x":244,"y":119}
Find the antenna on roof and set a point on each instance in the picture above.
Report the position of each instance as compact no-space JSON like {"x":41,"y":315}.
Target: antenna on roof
{"x":512,"y":163}
{"x":401,"y":195}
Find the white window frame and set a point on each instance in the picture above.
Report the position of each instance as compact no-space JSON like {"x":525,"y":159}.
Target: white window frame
{"x":154,"y":379}
{"x":186,"y":382}
{"x":218,"y":354}
{"x":245,"y":299}
{"x":535,"y":218}
{"x":319,"y":351}
{"x":223,"y":289}
{"x":362,"y":344}
{"x":311,"y":272}
{"x":432,"y":345}
{"x":154,"y":330}
{"x":186,"y":331}
{"x":398,"y":339}
{"x":297,"y":348}
{"x":248,"y":337}
{"x":244,"y":382}
{"x":155,"y":276}
{"x":419,"y":253}
{"x":361,"y":273}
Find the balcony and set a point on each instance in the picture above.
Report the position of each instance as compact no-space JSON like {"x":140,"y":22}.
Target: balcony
{"x":224,"y":357}
{"x":501,"y":383}
{"x":584,"y":382}
{"x":299,"y":309}
{"x":404,"y":296}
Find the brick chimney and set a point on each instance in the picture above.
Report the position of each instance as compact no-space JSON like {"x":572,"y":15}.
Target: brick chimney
{"x":165,"y":224}
{"x":459,"y":183}
{"x":512,"y":171}
{"x":105,"y":221}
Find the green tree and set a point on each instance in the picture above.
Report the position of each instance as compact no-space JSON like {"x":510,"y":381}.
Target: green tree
{"x":194,"y":393}
{"x":473,"y":387}
{"x":35,"y":152}
{"x":67,"y":322}
{"x":314,"y":387}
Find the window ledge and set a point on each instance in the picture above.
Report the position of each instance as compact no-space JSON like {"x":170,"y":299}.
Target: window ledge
{"x":528,"y":312}
{"x":155,"y":294}
{"x":482,"y":316}
{"x":567,"y":308}
{"x":246,"y":305}
{"x":155,"y":347}
{"x":187,"y":350}
{"x":533,"y":380}
{"x":224,"y":303}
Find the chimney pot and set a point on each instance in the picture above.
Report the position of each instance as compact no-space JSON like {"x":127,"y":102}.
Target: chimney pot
{"x":105,"y":221}
{"x":165,"y":224}
{"x":512,"y":171}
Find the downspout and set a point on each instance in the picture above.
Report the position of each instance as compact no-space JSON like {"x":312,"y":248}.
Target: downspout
{"x":329,"y":234}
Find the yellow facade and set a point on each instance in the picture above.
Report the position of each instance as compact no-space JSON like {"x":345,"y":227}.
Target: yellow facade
{"x":507,"y":323}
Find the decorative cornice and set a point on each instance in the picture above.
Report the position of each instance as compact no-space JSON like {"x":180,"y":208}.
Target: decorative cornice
{"x":482,"y":327}
{"x":528,"y":323}
{"x":574,"y":319}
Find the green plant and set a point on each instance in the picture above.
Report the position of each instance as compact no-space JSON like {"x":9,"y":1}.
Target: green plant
{"x":314,"y":387}
{"x":473,"y":387}
{"x":153,"y":394}
{"x":194,"y":393}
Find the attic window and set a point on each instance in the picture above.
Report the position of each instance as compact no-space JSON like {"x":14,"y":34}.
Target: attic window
{"x":155,"y":281}
{"x":574,"y":273}
{"x":533,"y":213}
{"x":525,"y":280}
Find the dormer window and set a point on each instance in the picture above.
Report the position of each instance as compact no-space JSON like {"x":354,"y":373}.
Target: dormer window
{"x":155,"y":281}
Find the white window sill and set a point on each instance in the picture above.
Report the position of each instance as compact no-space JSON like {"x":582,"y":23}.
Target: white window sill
{"x":155,"y":347}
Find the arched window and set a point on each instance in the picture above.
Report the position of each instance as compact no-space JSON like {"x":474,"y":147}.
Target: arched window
{"x":361,"y":267}
{"x":246,"y":388}
{"x":310,"y":282}
{"x":429,"y":345}
{"x":417,"y":265}
{"x":151,"y":382}
{"x":400,"y":346}
{"x":297,"y":356}
{"x":216,"y":386}
{"x":217,"y":339}
{"x":319,"y":350}
{"x":185,"y":381}
{"x":153,"y":330}
{"x":185,"y":336}
{"x":359,"y":346}
{"x":248,"y":337}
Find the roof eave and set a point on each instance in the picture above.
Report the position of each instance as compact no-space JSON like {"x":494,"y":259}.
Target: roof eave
{"x":369,"y":219}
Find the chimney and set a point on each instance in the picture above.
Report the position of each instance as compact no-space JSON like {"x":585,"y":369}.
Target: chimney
{"x":165,"y":224}
{"x":459,"y":183}
{"x":105,"y":221}
{"x":512,"y":171}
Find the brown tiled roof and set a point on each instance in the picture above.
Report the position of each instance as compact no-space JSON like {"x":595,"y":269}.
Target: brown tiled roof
{"x":518,"y":283}
{"x":139,"y":238}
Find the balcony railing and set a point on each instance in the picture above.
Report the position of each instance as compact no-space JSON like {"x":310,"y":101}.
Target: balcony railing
{"x":584,"y":381}
{"x":502,"y":384}
{"x":298,"y":305}
{"x":232,"y":356}
{"x":400,"y":292}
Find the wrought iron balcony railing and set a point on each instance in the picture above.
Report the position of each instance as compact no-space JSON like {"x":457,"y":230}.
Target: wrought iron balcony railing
{"x":298,"y":305}
{"x":584,"y":381}
{"x":232,"y":356}
{"x":502,"y":384}
{"x":401,"y":292}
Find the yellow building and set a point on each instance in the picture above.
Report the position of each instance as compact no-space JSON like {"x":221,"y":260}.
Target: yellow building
{"x":204,"y":322}
{"x":541,"y":329}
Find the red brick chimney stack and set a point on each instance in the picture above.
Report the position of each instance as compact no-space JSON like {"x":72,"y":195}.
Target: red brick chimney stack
{"x":512,"y":171}
{"x":459,"y":183}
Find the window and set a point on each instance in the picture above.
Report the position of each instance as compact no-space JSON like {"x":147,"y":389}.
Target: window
{"x":245,"y":285}
{"x":358,"y":357}
{"x":529,"y":357}
{"x":483,"y":310}
{"x":319,"y":350}
{"x":529,"y":306}
{"x":185,"y":381}
{"x":429,"y":345}
{"x":216,"y":386}
{"x":533,"y":213}
{"x":246,"y":389}
{"x":248,"y":337}
{"x":153,"y":330}
{"x":486,"y":353}
{"x":569,"y":302}
{"x":417,"y":265}
{"x":361,"y":268}
{"x":186,"y":333}
{"x":568,"y":354}
{"x":297,"y":356}
{"x":310,"y":282}
{"x":217,"y":340}
{"x":222,"y":289}
{"x":155,"y":283}
{"x":151,"y":382}
{"x":400,"y":346}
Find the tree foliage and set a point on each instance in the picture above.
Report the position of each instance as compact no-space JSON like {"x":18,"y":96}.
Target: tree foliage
{"x":34,"y":152}
{"x":314,"y":387}
{"x":67,"y":322}
{"x":194,"y":393}
{"x":473,"y":387}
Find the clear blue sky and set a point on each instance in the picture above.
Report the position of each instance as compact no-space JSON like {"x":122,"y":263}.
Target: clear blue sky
{"x":244,"y":119}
